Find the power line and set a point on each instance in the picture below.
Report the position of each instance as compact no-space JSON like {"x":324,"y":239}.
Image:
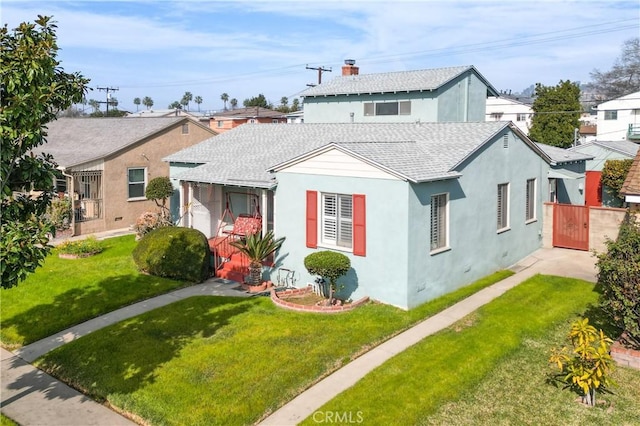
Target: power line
{"x":107,"y":89}
{"x":577,"y":32}
{"x":320,"y":71}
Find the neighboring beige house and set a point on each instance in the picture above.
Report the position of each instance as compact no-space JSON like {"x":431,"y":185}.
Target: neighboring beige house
{"x":106,"y":163}
{"x":619,"y":119}
{"x":514,"y":108}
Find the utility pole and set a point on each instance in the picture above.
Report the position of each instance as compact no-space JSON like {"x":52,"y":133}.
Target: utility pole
{"x":107,"y":89}
{"x":320,"y":71}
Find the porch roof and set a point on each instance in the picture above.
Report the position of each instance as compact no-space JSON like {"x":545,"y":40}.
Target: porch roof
{"x":418,"y":151}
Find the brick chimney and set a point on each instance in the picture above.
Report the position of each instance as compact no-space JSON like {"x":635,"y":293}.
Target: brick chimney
{"x":349,"y":67}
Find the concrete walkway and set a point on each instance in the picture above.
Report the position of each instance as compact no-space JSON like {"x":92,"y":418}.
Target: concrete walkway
{"x":32,"y":397}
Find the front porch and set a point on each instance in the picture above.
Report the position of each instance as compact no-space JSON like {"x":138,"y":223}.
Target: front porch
{"x":225,"y":214}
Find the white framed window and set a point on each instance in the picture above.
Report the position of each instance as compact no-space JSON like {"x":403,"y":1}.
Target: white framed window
{"x":337,"y":220}
{"x":274,"y":121}
{"x":387,"y":108}
{"x":552,"y":190}
{"x":530,"y":201}
{"x":137,"y":182}
{"x":252,"y":120}
{"x":503,"y":207}
{"x":220,"y":124}
{"x":439,"y":222}
{"x":611,"y":115}
{"x":185,"y":129}
{"x":496,"y":116}
{"x":521,"y":117}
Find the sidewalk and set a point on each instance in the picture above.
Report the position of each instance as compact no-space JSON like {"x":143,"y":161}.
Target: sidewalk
{"x":32,"y":397}
{"x":568,"y":263}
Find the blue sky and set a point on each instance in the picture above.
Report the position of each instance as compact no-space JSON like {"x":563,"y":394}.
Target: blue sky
{"x":162,"y":49}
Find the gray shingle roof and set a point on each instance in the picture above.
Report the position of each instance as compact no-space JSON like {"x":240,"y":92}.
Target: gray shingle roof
{"x":623,"y":147}
{"x":402,"y":81}
{"x":561,"y":155}
{"x":420,"y":152}
{"x":74,"y":141}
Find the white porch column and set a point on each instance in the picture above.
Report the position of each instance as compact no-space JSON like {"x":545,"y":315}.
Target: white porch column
{"x":265,"y":206}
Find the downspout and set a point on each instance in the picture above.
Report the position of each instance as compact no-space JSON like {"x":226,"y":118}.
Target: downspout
{"x":71,"y":192}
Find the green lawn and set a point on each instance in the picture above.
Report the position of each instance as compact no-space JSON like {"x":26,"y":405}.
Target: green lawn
{"x":66,"y":292}
{"x":490,"y":369}
{"x":223,"y":360}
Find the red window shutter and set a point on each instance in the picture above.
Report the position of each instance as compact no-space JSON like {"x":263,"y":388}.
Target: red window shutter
{"x":312,"y":219}
{"x":359,"y":225}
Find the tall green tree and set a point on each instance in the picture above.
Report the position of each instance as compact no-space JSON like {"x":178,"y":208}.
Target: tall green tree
{"x":198,"y":101}
{"x":234,"y":103}
{"x":623,"y":78}
{"x":259,"y":101}
{"x":295,"y":105}
{"x":175,"y":105}
{"x":34,"y":89}
{"x":186,"y":98}
{"x":94,"y":104}
{"x":556,"y":114}
{"x":147,"y":101}
{"x":137,"y":102}
{"x":225,"y":98}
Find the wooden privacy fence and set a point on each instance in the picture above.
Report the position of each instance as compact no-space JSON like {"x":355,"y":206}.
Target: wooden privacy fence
{"x":580,"y":227}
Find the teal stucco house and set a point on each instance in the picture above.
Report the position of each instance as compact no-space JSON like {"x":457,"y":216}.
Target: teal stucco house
{"x":452,"y":94}
{"x":420,"y":208}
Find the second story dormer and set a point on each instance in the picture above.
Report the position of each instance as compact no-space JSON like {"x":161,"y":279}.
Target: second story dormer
{"x":454,"y":94}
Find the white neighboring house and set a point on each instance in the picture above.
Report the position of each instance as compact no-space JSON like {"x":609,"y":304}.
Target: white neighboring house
{"x":514,"y":108}
{"x":619,"y":119}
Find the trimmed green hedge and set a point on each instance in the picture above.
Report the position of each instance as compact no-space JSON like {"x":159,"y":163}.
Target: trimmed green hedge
{"x":174,"y":252}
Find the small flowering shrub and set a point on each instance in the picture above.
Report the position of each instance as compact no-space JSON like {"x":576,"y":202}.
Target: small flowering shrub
{"x":86,"y":247}
{"x":148,"y":221}
{"x":59,"y":212}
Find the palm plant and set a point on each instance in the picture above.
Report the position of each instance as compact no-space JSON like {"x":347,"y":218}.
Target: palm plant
{"x":257,"y":248}
{"x":198,"y":100}
{"x":224,"y":98}
{"x":147,"y":101}
{"x":137,"y":102}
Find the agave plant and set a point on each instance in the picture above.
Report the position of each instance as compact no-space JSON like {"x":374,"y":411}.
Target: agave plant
{"x":257,"y":248}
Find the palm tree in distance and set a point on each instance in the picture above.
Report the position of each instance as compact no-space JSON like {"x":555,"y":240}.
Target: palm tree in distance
{"x":234,"y":103}
{"x":148,"y":102}
{"x":198,"y":100}
{"x":188,"y":97}
{"x":136,"y":102}
{"x":224,"y":97}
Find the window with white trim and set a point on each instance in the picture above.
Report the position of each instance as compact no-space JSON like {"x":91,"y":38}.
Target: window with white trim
{"x":337,"y":220}
{"x":521,"y":117}
{"x":185,"y":129}
{"x":611,"y":115}
{"x":530,"y":200}
{"x":387,"y":108}
{"x":503,"y":206}
{"x":220,"y":123}
{"x":439,"y":221}
{"x":137,"y":181}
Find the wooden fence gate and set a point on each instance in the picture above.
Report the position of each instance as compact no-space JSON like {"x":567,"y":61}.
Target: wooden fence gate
{"x":571,"y":226}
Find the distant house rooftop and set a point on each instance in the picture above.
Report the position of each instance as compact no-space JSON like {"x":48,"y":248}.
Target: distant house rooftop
{"x":400,"y":81}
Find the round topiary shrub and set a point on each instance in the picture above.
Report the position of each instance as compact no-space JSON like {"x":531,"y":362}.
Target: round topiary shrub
{"x":328,"y":264}
{"x":174,"y":252}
